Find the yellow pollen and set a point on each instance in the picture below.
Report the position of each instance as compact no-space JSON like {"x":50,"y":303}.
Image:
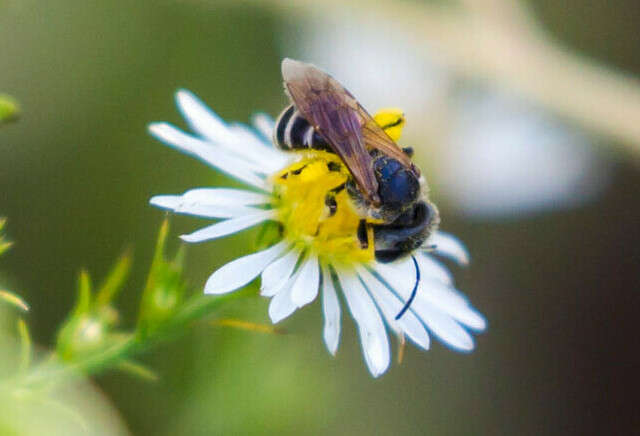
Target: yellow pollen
{"x":391,"y":120}
{"x":304,"y":193}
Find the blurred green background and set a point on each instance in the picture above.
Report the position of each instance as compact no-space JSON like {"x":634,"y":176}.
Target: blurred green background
{"x":559,"y":288}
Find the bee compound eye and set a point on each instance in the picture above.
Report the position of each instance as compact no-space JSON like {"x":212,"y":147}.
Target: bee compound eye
{"x":399,"y":188}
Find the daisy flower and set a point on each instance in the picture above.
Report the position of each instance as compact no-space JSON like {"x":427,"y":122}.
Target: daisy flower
{"x":308,"y":259}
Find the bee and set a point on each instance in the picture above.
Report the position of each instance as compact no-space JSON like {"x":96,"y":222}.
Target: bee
{"x":384,"y":184}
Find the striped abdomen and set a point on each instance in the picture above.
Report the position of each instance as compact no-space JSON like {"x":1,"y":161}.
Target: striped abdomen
{"x":294,"y":132}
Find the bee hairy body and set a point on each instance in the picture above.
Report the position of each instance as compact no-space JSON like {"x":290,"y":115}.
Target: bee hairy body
{"x":405,"y":218}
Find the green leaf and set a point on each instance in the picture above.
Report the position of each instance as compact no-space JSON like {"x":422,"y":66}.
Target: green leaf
{"x":137,"y":369}
{"x":9,"y":109}
{"x":114,"y":281}
{"x":14,"y":300}
{"x":4,"y":244}
{"x":25,"y":345}
{"x":83,"y":304}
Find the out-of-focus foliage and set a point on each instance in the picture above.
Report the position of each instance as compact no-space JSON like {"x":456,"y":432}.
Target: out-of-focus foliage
{"x":90,"y":337}
{"x":71,"y":409}
{"x":14,"y":300}
{"x":4,"y":243}
{"x":8,"y":296}
{"x":9,"y":109}
{"x":90,"y":341}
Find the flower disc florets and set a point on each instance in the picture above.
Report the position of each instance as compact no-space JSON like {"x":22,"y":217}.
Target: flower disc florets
{"x":316,"y":212}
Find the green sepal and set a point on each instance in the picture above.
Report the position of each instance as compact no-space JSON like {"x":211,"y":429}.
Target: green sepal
{"x":165,"y":287}
{"x":90,"y":324}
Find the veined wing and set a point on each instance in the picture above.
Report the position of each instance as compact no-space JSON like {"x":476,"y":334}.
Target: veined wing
{"x":337,"y":116}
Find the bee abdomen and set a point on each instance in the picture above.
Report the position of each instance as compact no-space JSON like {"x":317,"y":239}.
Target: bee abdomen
{"x":293,"y":132}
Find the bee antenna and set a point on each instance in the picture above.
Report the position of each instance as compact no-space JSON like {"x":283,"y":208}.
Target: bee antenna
{"x":413,"y":292}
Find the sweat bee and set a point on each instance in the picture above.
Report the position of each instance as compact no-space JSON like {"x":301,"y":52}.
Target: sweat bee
{"x":384,"y":185}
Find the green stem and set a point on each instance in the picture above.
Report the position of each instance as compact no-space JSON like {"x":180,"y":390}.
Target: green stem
{"x":53,"y":371}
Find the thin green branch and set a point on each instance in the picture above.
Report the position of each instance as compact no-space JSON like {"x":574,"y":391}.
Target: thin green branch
{"x":53,"y":371}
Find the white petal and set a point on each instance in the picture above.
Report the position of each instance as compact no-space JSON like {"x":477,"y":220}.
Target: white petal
{"x":253,"y":147}
{"x":229,"y":226}
{"x":202,"y":119}
{"x":443,"y":326}
{"x":305,"y":288}
{"x":207,"y":211}
{"x":373,"y":335}
{"x":243,"y":270}
{"x":225,"y":197}
{"x":166,"y":201}
{"x":449,"y":246}
{"x":217,"y":154}
{"x":177,"y":204}
{"x":209,"y":153}
{"x":391,"y":305}
{"x":449,"y":301}
{"x":401,"y":275}
{"x":432,"y":296}
{"x":275,"y":276}
{"x":331,"y":309}
{"x":281,"y":305}
{"x":265,"y":125}
{"x":431,"y":268}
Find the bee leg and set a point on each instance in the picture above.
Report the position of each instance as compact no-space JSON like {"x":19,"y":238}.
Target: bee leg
{"x":363,"y":237}
{"x":429,"y":248}
{"x":413,"y":292}
{"x":408,"y":151}
{"x":330,"y":202}
{"x":338,"y":189}
{"x":334,"y":166}
{"x":330,"y":199}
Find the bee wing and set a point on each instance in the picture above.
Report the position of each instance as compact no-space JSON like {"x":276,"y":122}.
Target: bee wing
{"x":337,"y":116}
{"x":376,"y":138}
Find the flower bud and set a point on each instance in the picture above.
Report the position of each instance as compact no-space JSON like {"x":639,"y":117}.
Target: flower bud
{"x":165,"y":287}
{"x":90,"y":325}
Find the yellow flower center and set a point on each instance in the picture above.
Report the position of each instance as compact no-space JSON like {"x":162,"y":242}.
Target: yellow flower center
{"x":317,"y":212}
{"x":315,"y":209}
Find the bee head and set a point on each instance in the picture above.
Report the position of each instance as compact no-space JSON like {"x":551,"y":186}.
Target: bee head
{"x":399,"y":186}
